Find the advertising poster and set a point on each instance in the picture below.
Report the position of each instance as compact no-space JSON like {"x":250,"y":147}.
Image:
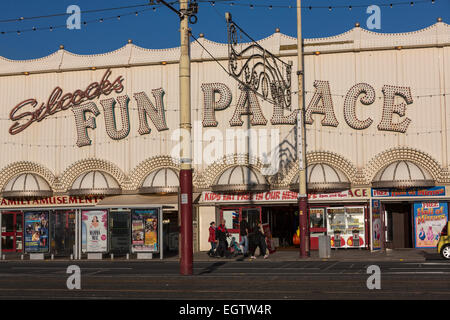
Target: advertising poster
{"x":144,"y":231}
{"x":95,"y":224}
{"x":138,"y":232}
{"x":429,"y":219}
{"x":376,"y":225}
{"x":36,"y":232}
{"x":151,"y":233}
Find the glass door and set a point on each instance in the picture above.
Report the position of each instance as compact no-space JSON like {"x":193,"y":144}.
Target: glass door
{"x":12,"y":231}
{"x":62,"y":226}
{"x":119,"y":230}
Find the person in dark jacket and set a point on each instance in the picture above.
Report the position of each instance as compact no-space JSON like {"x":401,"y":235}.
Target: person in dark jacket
{"x":212,"y":238}
{"x":221,"y":236}
{"x":257,"y":238}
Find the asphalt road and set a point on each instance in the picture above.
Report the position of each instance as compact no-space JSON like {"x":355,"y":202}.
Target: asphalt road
{"x":225,"y":280}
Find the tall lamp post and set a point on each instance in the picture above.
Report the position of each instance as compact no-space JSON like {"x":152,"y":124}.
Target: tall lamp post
{"x":187,"y":12}
{"x":185,"y":154}
{"x":301,"y":139}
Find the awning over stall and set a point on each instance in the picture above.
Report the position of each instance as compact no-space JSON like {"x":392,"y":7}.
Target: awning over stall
{"x":95,"y":183}
{"x":323,"y":177}
{"x":27,"y":185}
{"x":240,"y":179}
{"x":402,"y":174}
{"x":163,"y":180}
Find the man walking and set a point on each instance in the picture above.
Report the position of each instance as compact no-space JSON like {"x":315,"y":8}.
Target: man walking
{"x":244,"y":236}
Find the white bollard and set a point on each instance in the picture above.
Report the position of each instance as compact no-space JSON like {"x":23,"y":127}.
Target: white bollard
{"x":112,"y":256}
{"x":128,"y":256}
{"x":53,"y":256}
{"x":71,"y":257}
{"x":21,"y":257}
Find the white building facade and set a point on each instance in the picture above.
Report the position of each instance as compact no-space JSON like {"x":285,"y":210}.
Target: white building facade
{"x":100,"y":132}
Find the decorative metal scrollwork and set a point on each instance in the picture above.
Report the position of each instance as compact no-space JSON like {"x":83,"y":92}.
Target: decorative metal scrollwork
{"x":258,"y":69}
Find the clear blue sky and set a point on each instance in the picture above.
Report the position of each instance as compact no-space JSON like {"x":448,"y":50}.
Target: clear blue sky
{"x":159,"y":29}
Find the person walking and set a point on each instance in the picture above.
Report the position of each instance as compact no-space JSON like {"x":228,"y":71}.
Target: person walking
{"x":244,"y":236}
{"x":258,"y":239}
{"x":212,"y":238}
{"x":221,"y":235}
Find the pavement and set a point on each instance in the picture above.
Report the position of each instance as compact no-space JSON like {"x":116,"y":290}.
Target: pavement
{"x":293,"y":254}
{"x":407,"y":255}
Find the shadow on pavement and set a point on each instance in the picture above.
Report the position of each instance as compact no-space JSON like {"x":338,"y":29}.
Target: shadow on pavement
{"x":432,"y":256}
{"x":212,"y":267}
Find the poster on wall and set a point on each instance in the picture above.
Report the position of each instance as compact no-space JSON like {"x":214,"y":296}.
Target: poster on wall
{"x":376,"y":225}
{"x":36,"y":232}
{"x":144,"y":231}
{"x":429,"y":219}
{"x":138,"y":232}
{"x":95,"y":231}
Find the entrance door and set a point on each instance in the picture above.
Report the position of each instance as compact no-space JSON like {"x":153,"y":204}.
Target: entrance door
{"x":398,"y":230}
{"x":62,"y":232}
{"x":119,"y":230}
{"x":399,"y":225}
{"x":12,"y":231}
{"x":233,"y":218}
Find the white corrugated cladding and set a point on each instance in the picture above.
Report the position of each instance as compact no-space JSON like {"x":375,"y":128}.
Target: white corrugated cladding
{"x":422,"y":63}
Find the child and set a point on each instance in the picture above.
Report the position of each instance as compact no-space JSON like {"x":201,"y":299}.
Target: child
{"x":234,"y":247}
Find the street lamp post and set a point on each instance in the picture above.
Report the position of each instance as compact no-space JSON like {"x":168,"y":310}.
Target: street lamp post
{"x":301,"y":139}
{"x":188,"y":9}
{"x":186,"y":250}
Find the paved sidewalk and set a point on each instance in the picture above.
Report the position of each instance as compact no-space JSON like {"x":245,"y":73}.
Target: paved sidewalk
{"x":411,"y":255}
{"x":408,"y":255}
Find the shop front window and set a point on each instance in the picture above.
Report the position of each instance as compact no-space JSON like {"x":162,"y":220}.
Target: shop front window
{"x":355,"y":220}
{"x":7,"y":243}
{"x":231,"y":219}
{"x":8,"y":223}
{"x":316,"y":217}
{"x":19,"y":217}
{"x":336,"y":220}
{"x":346,"y":226}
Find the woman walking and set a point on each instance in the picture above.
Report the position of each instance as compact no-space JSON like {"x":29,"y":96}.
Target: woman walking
{"x":212,"y":239}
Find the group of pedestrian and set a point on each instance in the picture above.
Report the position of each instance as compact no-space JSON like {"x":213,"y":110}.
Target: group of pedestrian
{"x":251,"y":238}
{"x":218,"y":239}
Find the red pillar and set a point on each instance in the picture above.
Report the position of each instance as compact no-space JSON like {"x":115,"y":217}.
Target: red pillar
{"x":186,"y":250}
{"x":304,"y":227}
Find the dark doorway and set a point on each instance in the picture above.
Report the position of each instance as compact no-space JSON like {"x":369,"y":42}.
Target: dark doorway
{"x":119,"y":231}
{"x":399,"y":225}
{"x":62,"y":228}
{"x":170,"y":233}
{"x":283,"y":223}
